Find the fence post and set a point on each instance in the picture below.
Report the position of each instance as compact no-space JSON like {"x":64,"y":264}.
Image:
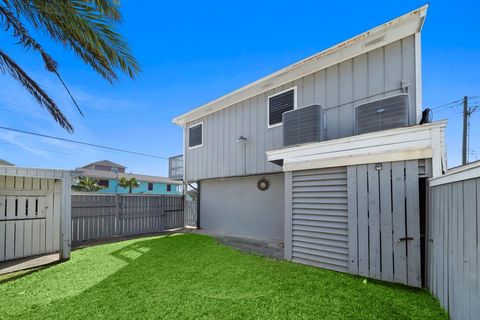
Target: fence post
{"x":117,"y":216}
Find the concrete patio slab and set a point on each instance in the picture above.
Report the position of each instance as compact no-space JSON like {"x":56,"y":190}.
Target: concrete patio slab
{"x":28,"y":263}
{"x":268,"y":248}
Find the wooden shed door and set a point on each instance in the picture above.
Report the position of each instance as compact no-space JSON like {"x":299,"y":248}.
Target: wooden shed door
{"x":384,"y":221}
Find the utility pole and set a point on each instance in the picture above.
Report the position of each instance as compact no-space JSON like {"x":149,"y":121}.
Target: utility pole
{"x":466,"y":114}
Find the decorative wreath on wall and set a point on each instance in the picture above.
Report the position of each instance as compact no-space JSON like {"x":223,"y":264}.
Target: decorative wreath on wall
{"x":263,"y":184}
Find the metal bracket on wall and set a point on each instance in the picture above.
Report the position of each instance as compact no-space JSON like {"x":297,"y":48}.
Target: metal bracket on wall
{"x":404,"y":239}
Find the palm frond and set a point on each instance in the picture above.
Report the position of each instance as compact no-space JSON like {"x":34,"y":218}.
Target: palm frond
{"x":20,"y":32}
{"x":7,"y":65}
{"x":87,"y":28}
{"x":8,"y":20}
{"x":109,"y":8}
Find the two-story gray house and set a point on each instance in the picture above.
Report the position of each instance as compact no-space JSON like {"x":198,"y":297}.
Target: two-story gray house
{"x":326,"y":156}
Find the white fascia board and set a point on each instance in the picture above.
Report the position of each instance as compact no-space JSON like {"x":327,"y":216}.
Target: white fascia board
{"x":469,"y":171}
{"x":416,"y":142}
{"x":394,"y":30}
{"x":35,"y":172}
{"x":367,"y":158}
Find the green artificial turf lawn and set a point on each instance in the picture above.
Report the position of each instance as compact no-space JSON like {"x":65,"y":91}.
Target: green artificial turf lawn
{"x":190,"y":276}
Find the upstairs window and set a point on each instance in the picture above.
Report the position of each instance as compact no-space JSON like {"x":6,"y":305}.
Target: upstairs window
{"x":150,"y":186}
{"x":195,"y":136}
{"x":278,"y":104}
{"x":169,"y":187}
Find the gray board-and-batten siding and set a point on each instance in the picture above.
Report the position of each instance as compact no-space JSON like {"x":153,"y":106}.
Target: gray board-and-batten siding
{"x":338,"y":89}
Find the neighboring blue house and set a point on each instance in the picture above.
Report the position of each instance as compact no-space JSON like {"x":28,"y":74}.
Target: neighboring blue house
{"x":107,"y":174}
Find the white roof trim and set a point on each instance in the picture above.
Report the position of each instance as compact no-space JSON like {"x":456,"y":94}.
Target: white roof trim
{"x":394,"y":30}
{"x":468,"y":171}
{"x":409,"y":143}
{"x":35,"y":172}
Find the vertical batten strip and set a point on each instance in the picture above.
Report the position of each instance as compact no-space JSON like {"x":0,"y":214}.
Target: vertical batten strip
{"x":374,"y":221}
{"x":362,"y":207}
{"x":413,"y":224}
{"x":352,"y":219}
{"x":399,"y":232}
{"x":386,"y":226}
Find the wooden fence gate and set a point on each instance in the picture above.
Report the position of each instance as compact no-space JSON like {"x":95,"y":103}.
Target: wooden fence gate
{"x":97,"y":216}
{"x":29,"y":217}
{"x":384,"y":221}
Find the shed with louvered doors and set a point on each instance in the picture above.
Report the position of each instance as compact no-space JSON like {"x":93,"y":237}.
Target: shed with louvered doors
{"x":34,"y":212}
{"x":358,"y":204}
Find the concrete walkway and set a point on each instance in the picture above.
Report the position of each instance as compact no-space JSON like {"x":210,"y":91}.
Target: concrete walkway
{"x":271,"y":249}
{"x":28,"y":263}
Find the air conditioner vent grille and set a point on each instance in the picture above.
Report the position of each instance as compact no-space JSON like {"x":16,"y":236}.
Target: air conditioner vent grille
{"x":303,"y":125}
{"x":382,"y":114}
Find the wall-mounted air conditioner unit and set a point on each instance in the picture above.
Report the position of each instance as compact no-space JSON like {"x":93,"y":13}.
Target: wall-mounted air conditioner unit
{"x":383,"y":114}
{"x":303,"y":125}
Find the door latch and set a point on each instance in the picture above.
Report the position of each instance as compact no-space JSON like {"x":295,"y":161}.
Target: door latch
{"x":404,"y":239}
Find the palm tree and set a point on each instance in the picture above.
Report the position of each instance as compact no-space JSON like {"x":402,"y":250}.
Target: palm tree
{"x":86,"y":27}
{"x":128,"y":183}
{"x":87,"y":184}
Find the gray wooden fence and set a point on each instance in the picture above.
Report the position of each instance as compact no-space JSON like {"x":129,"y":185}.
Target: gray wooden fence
{"x":96,"y":216}
{"x":453,"y":234}
{"x":191,"y":213}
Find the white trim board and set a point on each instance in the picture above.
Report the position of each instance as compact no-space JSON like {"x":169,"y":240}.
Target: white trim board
{"x":469,"y":171}
{"x":394,"y":30}
{"x":36,"y":172}
{"x":415,"y":142}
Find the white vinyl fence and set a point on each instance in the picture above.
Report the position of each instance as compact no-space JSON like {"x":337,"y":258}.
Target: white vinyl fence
{"x":454,"y":247}
{"x":104,"y":216}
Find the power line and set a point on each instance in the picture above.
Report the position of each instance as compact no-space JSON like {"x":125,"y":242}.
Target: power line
{"x":38,"y":149}
{"x":83,"y":143}
{"x":447,"y":104}
{"x":452,"y":104}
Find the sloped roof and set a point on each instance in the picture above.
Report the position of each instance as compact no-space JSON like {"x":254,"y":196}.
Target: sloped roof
{"x":394,"y":30}
{"x":5,"y":163}
{"x":105,"y":163}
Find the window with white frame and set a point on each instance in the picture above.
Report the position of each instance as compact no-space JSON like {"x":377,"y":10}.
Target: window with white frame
{"x":195,"y":135}
{"x":278,"y":104}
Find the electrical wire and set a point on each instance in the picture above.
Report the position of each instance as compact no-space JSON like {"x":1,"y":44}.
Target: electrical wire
{"x":83,"y":143}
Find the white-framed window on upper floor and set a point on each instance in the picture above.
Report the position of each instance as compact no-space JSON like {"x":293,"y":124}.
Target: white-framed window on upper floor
{"x":278,"y":104}
{"x":195,"y":135}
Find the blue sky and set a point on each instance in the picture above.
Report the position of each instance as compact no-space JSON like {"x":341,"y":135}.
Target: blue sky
{"x":193,"y":52}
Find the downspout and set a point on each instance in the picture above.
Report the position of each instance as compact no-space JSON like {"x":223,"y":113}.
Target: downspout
{"x":198,"y":205}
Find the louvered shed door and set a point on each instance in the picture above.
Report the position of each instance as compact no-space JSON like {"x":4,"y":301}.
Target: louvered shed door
{"x":319,"y":218}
